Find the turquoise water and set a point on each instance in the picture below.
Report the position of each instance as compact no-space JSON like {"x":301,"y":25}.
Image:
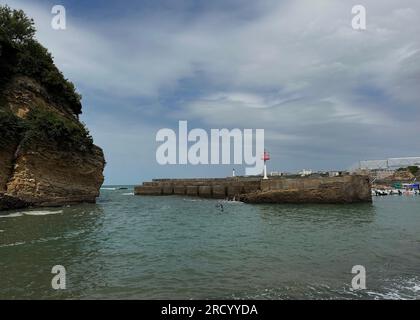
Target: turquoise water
{"x":131,"y":247}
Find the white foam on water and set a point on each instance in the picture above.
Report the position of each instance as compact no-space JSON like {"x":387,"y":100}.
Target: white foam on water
{"x":41,"y":240}
{"x":108,"y":188}
{"x":41,"y":213}
{"x":128,"y":194}
{"x":400,"y":289}
{"x":12,"y":244}
{"x":46,"y":239}
{"x":192,"y":200}
{"x":12,"y":215}
{"x":385,"y":296}
{"x":232,"y":202}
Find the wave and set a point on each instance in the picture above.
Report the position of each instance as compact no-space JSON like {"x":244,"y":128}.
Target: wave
{"x":31,"y":213}
{"x":232,"y":202}
{"x":41,"y":213}
{"x":400,"y":289}
{"x":193,"y":200}
{"x":128,"y":194}
{"x":30,"y":242}
{"x":112,"y":189}
{"x":12,"y":244}
{"x":12,"y":215}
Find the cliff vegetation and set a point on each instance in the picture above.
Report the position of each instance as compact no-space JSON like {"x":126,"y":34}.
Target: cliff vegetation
{"x":22,"y":55}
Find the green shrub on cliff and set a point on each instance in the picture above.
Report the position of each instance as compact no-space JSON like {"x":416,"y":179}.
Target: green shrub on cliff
{"x":21,"y":54}
{"x":51,"y":128}
{"x":414,"y":170}
{"x":43,"y":127}
{"x":11,"y":127}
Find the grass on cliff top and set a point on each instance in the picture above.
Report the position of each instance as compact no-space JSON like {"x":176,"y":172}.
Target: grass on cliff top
{"x":22,"y":54}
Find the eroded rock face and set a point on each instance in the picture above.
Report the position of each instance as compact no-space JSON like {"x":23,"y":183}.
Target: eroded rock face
{"x":42,"y":174}
{"x":49,"y":177}
{"x":7,"y":152}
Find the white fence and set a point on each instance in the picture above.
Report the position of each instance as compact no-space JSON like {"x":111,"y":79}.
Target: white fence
{"x":389,"y":163}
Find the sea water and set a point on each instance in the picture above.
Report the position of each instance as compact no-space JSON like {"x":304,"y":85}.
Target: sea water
{"x":141,"y":247}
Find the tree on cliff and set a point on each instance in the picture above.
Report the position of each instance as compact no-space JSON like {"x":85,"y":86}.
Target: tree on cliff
{"x":15,"y":27}
{"x":22,"y":54}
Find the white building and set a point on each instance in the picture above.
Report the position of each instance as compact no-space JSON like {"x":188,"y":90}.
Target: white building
{"x":305,"y":172}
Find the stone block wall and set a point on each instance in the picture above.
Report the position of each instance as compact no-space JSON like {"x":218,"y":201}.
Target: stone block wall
{"x":343,"y":189}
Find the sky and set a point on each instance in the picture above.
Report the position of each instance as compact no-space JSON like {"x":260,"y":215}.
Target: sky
{"x":326,"y":95}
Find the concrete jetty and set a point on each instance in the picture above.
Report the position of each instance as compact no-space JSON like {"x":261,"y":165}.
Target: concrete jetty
{"x":342,"y":189}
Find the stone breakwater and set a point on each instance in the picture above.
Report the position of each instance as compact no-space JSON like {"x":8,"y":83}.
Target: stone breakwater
{"x":344,"y":189}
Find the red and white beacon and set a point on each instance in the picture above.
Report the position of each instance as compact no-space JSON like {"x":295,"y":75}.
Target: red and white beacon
{"x":265,"y":157}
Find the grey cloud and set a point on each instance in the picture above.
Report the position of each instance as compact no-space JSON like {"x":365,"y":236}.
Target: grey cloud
{"x":295,"y":69}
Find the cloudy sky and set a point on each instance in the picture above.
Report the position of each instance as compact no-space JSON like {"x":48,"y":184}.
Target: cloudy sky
{"x":326,"y":95}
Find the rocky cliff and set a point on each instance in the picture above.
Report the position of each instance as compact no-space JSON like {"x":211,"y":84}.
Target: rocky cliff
{"x":35,"y":168}
{"x":47,"y":156}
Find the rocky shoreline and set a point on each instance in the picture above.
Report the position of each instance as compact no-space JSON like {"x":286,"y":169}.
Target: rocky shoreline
{"x":10,"y":203}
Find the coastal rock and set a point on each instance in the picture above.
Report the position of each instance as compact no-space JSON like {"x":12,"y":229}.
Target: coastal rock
{"x":43,"y":173}
{"x":7,"y":151}
{"x":47,"y":156}
{"x":50,"y":178}
{"x":9,"y":203}
{"x":405,"y":176}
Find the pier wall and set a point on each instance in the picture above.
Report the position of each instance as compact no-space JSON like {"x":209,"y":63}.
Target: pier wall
{"x":344,"y":189}
{"x":206,"y":188}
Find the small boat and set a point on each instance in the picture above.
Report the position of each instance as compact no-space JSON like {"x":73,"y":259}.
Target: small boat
{"x":379,"y":192}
